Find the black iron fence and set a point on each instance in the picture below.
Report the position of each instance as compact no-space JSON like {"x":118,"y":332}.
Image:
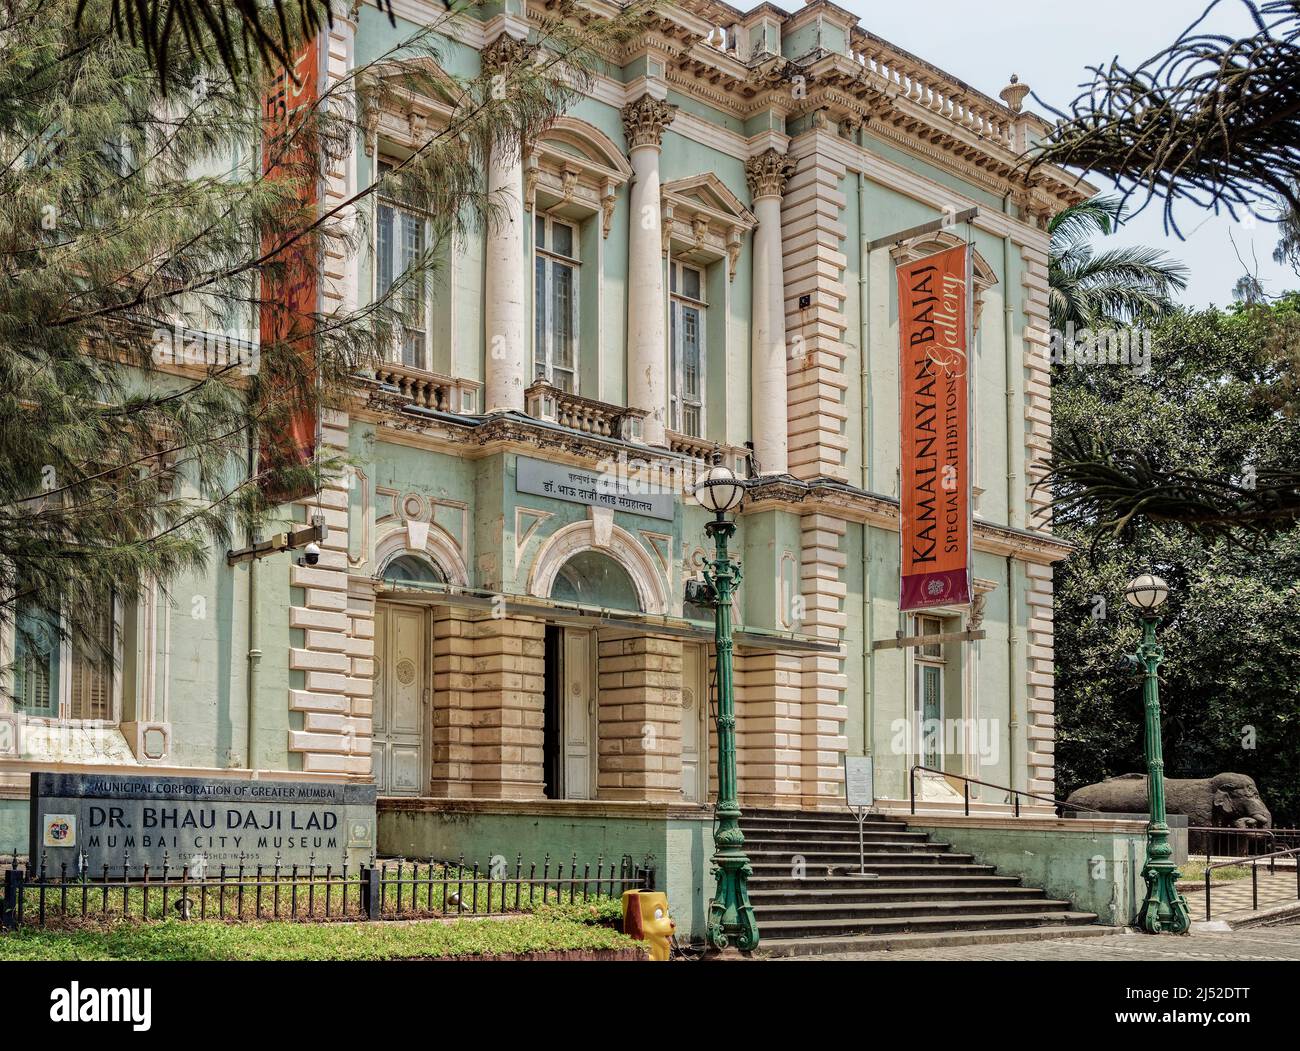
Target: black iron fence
{"x":382,"y":889}
{"x":1239,"y":842}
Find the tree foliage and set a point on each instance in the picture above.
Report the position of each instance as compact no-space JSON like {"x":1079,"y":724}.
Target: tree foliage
{"x":134,"y":199}
{"x":1092,"y":290}
{"x":1210,"y":120}
{"x":242,"y":35}
{"x":1120,"y":481}
{"x":1230,"y":684}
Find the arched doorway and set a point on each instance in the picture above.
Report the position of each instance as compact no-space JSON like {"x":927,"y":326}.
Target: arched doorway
{"x":593,"y":579}
{"x":402,"y":681}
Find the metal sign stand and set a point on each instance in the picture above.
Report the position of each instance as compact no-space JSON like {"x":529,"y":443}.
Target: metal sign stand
{"x":860,"y":795}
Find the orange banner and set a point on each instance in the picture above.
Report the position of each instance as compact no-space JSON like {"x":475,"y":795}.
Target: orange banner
{"x":934,"y":370}
{"x":290,"y":296}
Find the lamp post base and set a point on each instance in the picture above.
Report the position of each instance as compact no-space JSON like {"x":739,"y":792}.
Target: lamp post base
{"x":731,"y":917}
{"x":1165,"y":909}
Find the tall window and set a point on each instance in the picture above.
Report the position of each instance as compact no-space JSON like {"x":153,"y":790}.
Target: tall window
{"x":73,"y":676}
{"x":929,"y":694}
{"x":401,"y":239}
{"x":555,"y":304}
{"x":686,"y":324}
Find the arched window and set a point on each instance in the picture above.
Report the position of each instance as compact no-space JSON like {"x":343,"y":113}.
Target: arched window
{"x":594,"y":579}
{"x":411,"y":569}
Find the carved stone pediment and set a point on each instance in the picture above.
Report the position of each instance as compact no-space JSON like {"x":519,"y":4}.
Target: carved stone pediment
{"x":703,"y":221}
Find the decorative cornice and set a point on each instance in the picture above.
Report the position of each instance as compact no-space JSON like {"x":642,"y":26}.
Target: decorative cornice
{"x":644,"y":121}
{"x":503,"y":53}
{"x":767,"y":173}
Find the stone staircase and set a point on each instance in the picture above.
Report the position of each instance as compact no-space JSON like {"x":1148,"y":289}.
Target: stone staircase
{"x":922,"y":892}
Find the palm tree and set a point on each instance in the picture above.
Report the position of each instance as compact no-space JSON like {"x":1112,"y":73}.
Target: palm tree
{"x":1094,"y":289}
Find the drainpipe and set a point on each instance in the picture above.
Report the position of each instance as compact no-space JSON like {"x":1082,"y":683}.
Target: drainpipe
{"x":868,"y":423}
{"x":254,"y":649}
{"x":1015,"y":701}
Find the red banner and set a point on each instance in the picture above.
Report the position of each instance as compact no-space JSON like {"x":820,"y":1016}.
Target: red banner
{"x":290,"y":293}
{"x":934,"y":370}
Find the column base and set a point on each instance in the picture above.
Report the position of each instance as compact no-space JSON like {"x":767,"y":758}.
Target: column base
{"x":731,"y":916}
{"x":1164,"y":911}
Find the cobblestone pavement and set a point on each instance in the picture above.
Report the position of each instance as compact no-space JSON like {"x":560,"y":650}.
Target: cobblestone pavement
{"x":1259,"y":943}
{"x":1232,"y":899}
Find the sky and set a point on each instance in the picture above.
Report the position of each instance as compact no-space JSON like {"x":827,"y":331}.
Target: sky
{"x":1049,"y":44}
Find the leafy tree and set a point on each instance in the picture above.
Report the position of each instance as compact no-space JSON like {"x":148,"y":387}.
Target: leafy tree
{"x":242,"y":35}
{"x":1213,"y":122}
{"x":1230,"y":685}
{"x":134,"y":200}
{"x":1093,"y":290}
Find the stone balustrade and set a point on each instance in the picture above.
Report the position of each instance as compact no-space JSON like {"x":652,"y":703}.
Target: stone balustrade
{"x":429,"y":390}
{"x":544,"y":401}
{"x":912,"y":82}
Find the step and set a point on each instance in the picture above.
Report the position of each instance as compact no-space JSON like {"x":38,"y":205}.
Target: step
{"x":827,"y":856}
{"x":806,"y":844}
{"x":882,"y":832}
{"x":768,"y":896}
{"x":854,"y":912}
{"x":773,"y":821}
{"x":781,"y":930}
{"x":939,"y":868}
{"x":851,"y":882}
{"x":776,"y":948}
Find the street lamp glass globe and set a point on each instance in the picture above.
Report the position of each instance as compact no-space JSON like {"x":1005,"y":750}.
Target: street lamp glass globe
{"x":1146,"y":592}
{"x":719,"y":491}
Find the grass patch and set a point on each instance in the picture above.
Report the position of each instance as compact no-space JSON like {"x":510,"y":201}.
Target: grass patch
{"x":431,"y":939}
{"x":1196,"y":870}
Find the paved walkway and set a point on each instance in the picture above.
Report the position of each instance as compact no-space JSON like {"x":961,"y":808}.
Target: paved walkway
{"x":1257,"y":943}
{"x":1231,"y":899}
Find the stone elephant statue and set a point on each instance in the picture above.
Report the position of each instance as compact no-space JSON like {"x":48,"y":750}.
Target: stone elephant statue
{"x":1222,"y":801}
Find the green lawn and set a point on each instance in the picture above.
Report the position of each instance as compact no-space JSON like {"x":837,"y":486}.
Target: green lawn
{"x":384,"y":940}
{"x":1196,"y":870}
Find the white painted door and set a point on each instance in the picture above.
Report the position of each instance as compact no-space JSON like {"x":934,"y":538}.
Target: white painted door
{"x":401,"y":691}
{"x":578,"y":714}
{"x":695,"y":710}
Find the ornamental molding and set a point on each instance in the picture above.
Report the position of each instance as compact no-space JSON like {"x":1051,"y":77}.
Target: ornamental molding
{"x":504,"y":53}
{"x":609,"y":539}
{"x":644,"y":121}
{"x":577,"y":169}
{"x":768,"y":173}
{"x":703,"y":221}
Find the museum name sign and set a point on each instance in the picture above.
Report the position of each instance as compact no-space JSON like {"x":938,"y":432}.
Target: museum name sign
{"x":116,"y":820}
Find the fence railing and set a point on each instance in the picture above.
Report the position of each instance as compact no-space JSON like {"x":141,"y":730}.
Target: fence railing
{"x":1222,"y":842}
{"x":1013,"y":794}
{"x":1253,"y":861}
{"x":383,"y":889}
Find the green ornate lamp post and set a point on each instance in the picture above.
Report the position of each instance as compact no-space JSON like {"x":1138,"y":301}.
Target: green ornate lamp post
{"x":1164,"y":911}
{"x":731,"y":917}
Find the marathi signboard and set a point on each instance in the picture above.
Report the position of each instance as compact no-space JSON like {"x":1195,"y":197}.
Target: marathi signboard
{"x":934,"y":418}
{"x":291,"y":286}
{"x":580,"y":485}
{"x":200,"y":822}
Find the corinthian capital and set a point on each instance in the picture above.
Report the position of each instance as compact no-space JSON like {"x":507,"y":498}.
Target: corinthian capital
{"x":767,"y":173}
{"x":645,"y":119}
{"x":503,"y":53}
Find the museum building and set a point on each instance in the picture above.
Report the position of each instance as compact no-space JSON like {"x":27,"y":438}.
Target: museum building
{"x":687,"y":265}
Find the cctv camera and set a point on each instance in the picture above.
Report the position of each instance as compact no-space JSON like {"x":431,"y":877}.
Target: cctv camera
{"x":311,"y":553}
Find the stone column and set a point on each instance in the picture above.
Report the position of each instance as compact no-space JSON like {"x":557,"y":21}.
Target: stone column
{"x":504,"y":284}
{"x":767,"y":174}
{"x":647,"y":341}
